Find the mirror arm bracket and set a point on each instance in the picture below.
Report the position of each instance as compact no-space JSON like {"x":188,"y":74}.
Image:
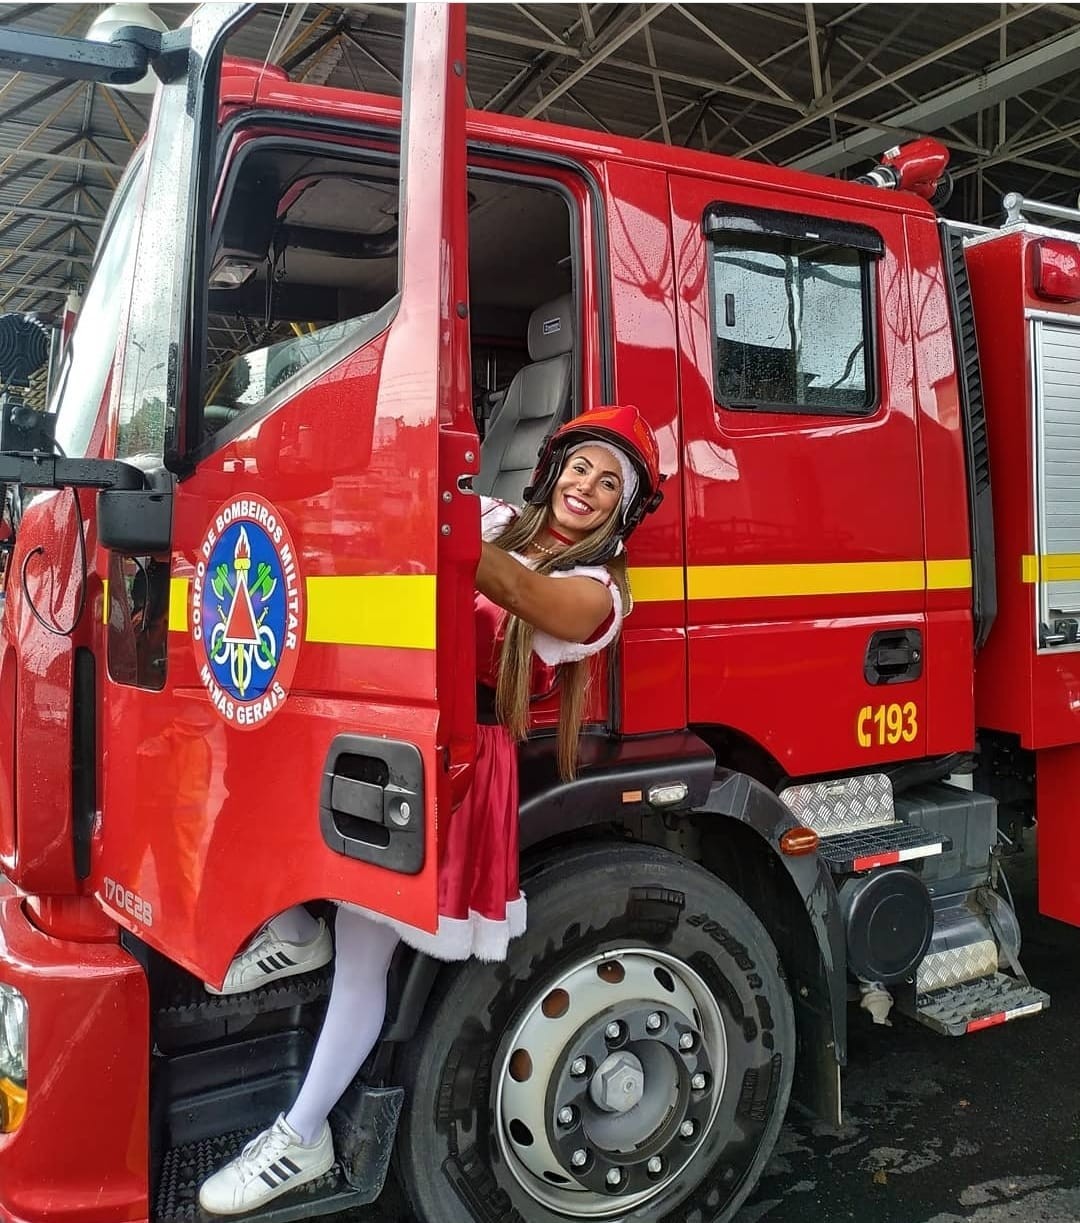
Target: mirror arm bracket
{"x":122,"y":60}
{"x":73,"y":58}
{"x":36,"y":469}
{"x":167,"y":53}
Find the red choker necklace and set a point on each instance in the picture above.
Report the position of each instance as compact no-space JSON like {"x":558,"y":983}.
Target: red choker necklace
{"x":562,"y":539}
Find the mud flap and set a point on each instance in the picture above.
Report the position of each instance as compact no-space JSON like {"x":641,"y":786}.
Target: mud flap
{"x":365,"y":1124}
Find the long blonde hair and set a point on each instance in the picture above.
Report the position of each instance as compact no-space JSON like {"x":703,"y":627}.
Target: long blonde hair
{"x":515,"y":661}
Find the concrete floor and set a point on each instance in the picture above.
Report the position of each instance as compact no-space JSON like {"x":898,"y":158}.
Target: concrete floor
{"x":984,"y":1127}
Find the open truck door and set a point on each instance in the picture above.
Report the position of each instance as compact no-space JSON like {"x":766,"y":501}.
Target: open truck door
{"x":287,"y":696}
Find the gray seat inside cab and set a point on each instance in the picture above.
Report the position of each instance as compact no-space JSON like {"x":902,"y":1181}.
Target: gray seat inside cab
{"x":536,"y":401}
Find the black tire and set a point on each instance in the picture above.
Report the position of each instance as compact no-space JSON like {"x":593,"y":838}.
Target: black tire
{"x":459,"y":1161}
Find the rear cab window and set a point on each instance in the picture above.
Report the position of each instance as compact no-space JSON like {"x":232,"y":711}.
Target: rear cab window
{"x":793,"y":311}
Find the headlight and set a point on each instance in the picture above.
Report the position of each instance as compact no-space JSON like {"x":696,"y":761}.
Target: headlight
{"x":13,"y":1016}
{"x":14,"y":1013}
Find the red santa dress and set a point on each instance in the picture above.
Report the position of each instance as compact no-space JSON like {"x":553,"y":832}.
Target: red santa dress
{"x":481,"y":905}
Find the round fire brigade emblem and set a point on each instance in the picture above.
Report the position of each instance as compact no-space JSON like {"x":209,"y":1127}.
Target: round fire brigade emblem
{"x":247,"y":611}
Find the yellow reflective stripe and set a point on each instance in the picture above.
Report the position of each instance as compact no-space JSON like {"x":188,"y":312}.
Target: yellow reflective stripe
{"x":657,"y":584}
{"x":384,"y":610}
{"x":1056,"y":567}
{"x":773,"y":581}
{"x":948,"y":575}
{"x":104,"y":600}
{"x":378,"y":610}
{"x":398,"y":610}
{"x":178,"y":602}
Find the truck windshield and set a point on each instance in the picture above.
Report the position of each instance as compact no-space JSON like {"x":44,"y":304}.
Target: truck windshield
{"x":89,"y":356}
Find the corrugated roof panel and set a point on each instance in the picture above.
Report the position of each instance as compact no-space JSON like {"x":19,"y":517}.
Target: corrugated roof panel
{"x":721,"y":69}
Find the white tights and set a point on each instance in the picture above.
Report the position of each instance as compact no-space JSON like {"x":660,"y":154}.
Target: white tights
{"x":354,"y":1016}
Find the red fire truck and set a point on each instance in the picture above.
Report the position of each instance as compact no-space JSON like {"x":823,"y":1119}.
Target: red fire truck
{"x":318,"y":323}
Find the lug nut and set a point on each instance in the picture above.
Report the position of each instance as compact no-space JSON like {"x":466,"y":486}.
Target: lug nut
{"x":686,"y":1041}
{"x":566,"y":1116}
{"x":698,"y":1082}
{"x":578,"y":1067}
{"x":654,"y":1022}
{"x":579,"y":1158}
{"x":686,"y":1130}
{"x":614,"y":1177}
{"x":655,"y":1165}
{"x":613,"y":1031}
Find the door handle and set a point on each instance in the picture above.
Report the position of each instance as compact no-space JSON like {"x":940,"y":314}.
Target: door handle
{"x":894,"y":656}
{"x":371,"y":804}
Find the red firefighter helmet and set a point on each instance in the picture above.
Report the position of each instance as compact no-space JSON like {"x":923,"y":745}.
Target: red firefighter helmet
{"x":623,"y":427}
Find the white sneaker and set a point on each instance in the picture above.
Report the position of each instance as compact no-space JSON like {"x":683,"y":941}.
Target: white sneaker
{"x":271,"y":1164}
{"x":269,"y":958}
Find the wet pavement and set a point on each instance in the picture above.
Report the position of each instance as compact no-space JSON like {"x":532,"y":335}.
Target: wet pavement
{"x":983,"y":1127}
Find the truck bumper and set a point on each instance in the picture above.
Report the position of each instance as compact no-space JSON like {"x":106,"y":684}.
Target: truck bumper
{"x":81,"y":1150}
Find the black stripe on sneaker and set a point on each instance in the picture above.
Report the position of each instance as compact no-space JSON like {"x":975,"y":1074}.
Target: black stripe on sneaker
{"x":286,"y":962}
{"x":289,"y":1164}
{"x":278,"y":1170}
{"x":269,"y":1179}
{"x":272,"y":960}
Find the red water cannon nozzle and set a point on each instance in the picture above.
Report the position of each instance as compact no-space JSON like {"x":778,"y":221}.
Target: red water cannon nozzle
{"x":921,"y":167}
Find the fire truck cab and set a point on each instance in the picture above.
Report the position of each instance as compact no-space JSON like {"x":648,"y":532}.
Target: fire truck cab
{"x":237,"y":657}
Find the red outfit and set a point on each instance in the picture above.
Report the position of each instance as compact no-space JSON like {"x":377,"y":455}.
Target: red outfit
{"x":481,"y":906}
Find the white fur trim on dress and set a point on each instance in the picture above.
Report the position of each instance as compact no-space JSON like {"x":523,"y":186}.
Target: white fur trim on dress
{"x":553,"y":650}
{"x":495,"y":517}
{"x":460,"y":938}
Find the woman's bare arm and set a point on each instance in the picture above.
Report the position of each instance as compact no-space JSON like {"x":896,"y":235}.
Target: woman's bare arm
{"x":571,"y":609}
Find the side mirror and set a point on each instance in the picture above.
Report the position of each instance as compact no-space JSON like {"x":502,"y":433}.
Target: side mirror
{"x":135,"y":522}
{"x":134,"y":506}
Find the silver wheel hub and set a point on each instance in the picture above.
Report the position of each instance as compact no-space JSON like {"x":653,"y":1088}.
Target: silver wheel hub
{"x":610,"y":1082}
{"x":618,"y":1084}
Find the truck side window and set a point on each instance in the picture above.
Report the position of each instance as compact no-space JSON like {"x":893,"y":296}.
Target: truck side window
{"x":792,"y":316}
{"x":305,"y":257}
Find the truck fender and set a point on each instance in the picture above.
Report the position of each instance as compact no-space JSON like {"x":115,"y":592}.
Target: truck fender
{"x":818,"y":981}
{"x":614,"y":782}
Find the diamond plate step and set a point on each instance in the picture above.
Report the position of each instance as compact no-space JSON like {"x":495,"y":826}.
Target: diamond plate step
{"x":185,"y":1168}
{"x":884,"y":846}
{"x":974,"y":1005}
{"x":955,"y":965}
{"x":188,"y":1002}
{"x":843,"y":805}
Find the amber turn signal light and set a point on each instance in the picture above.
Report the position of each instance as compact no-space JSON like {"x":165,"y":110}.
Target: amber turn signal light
{"x":12,"y":1106}
{"x":798,"y":842}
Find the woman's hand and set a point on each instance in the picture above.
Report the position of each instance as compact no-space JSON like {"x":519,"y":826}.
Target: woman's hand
{"x":571,"y":608}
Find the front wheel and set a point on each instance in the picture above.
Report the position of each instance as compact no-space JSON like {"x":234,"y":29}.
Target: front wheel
{"x":631,"y":1059}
